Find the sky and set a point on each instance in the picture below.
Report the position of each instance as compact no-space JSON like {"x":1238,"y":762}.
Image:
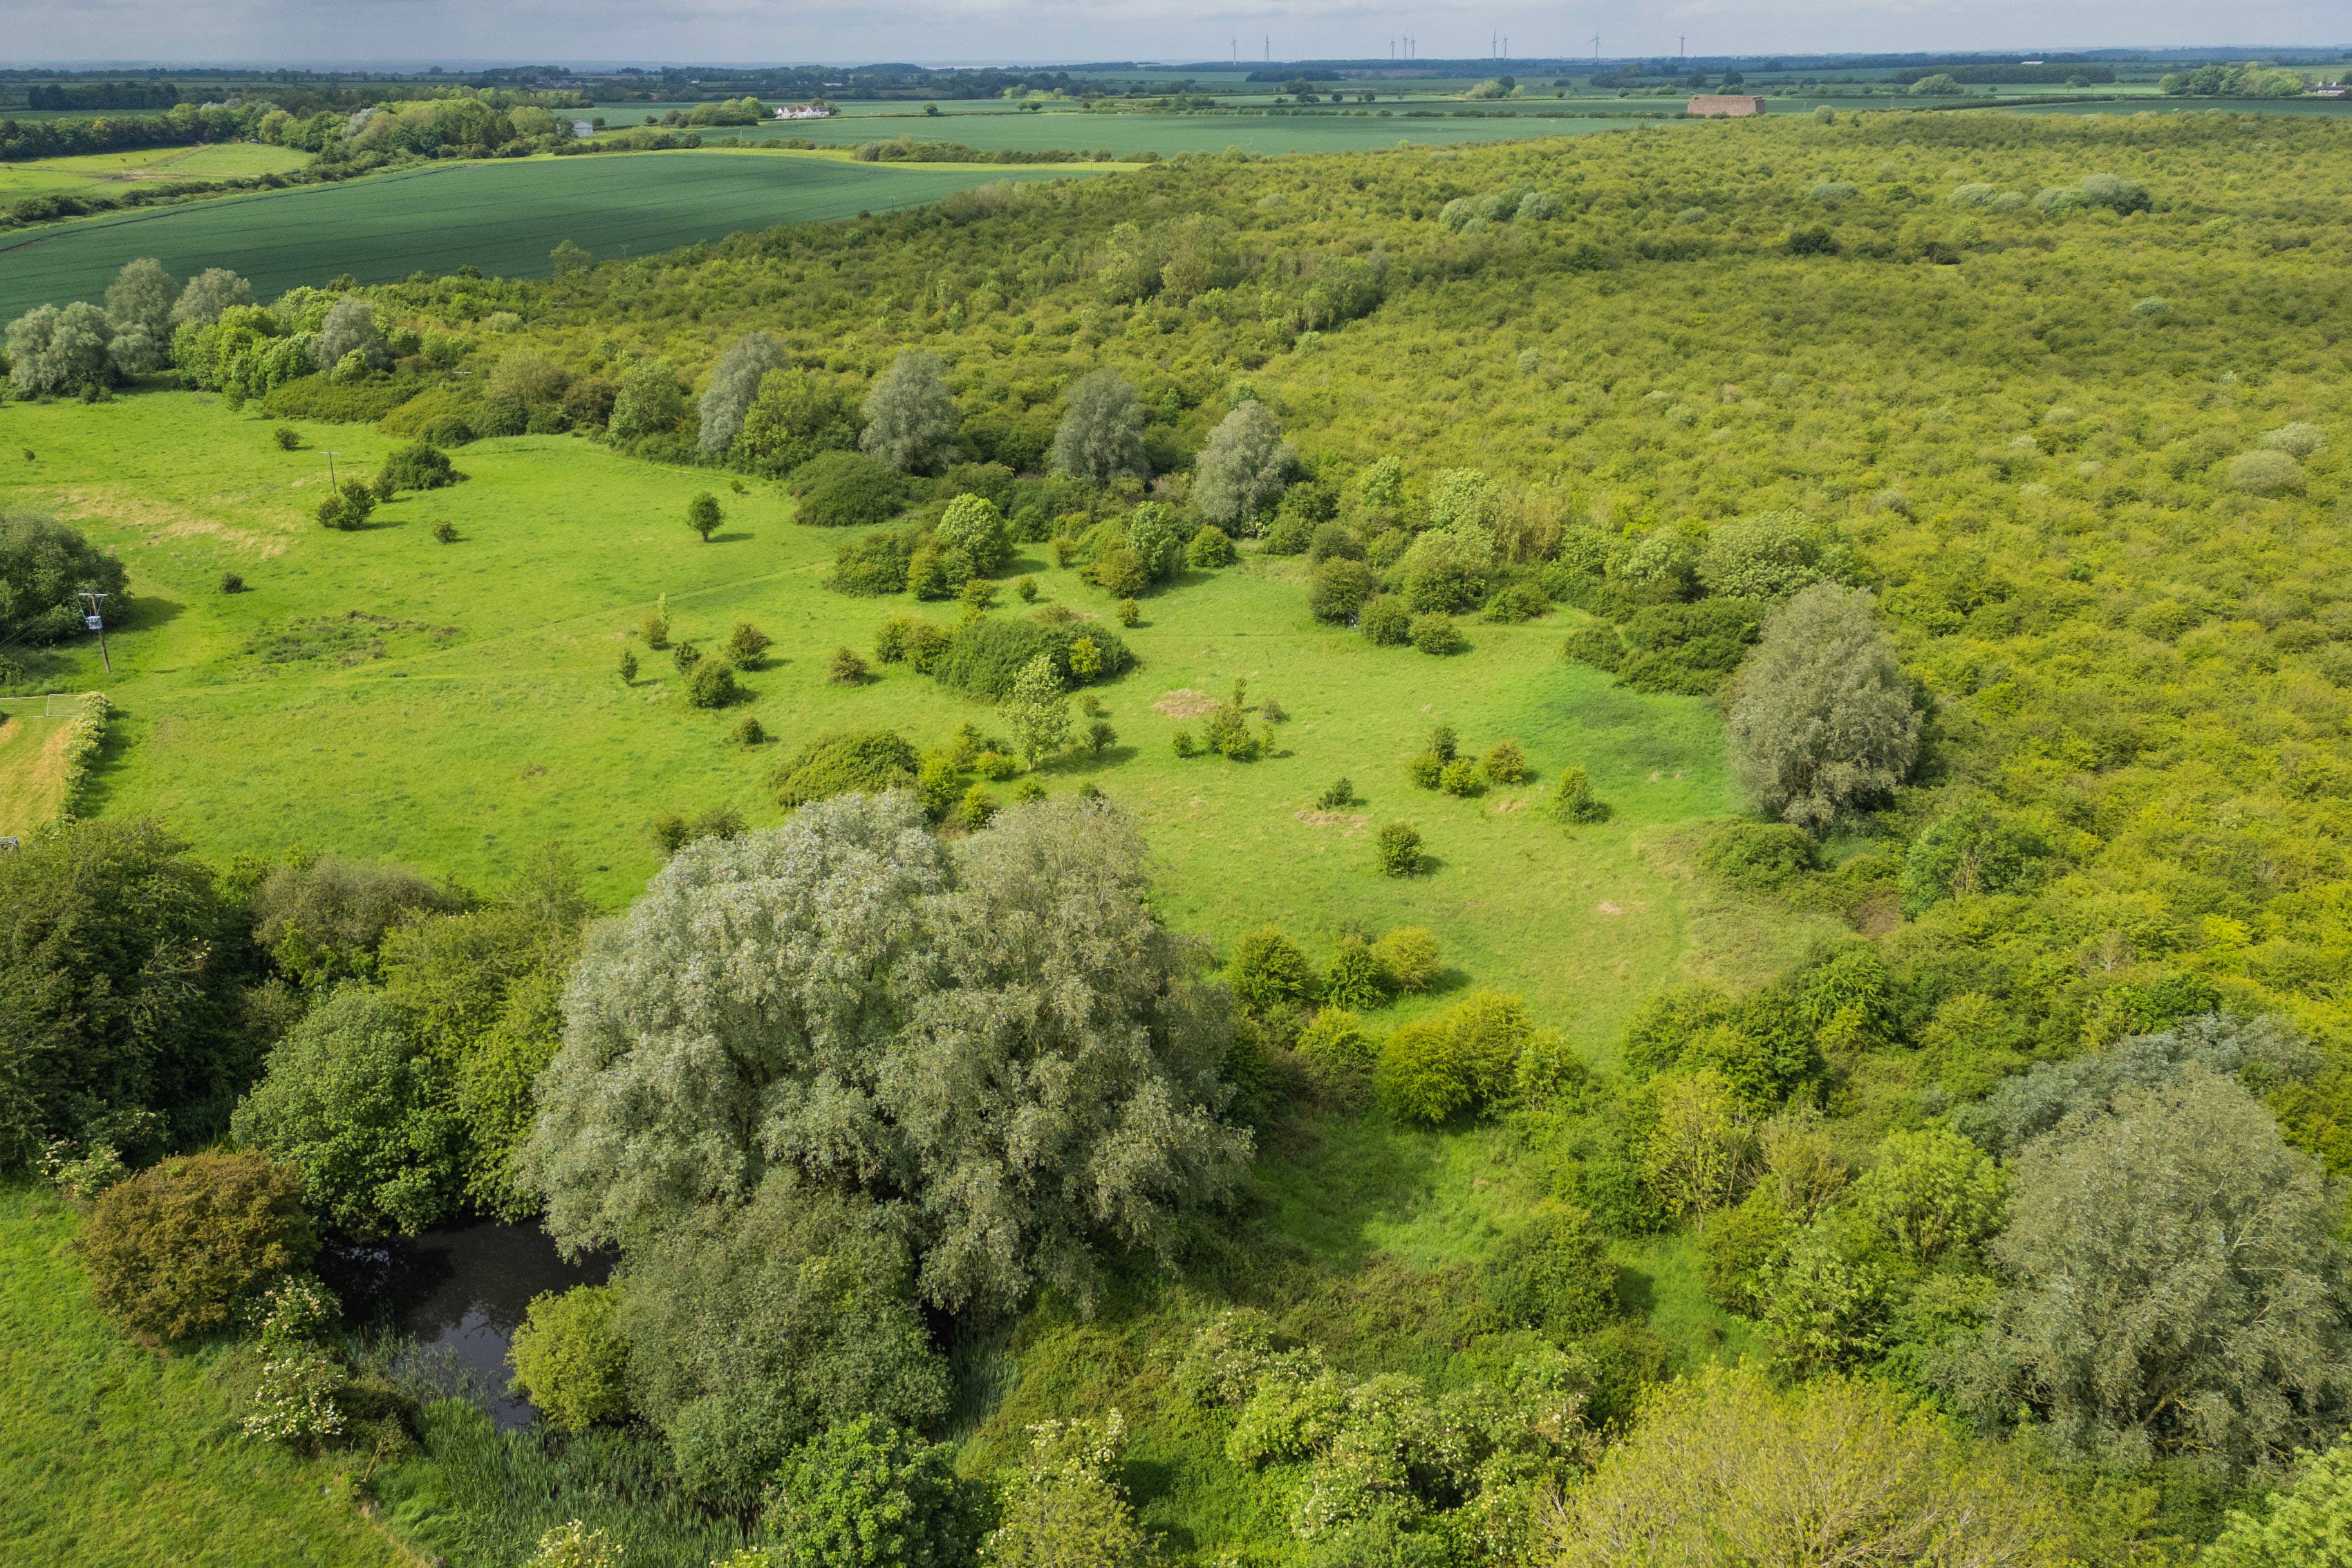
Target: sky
{"x":947,"y":32}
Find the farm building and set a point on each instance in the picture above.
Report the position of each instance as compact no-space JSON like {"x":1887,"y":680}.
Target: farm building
{"x":1735,"y":105}
{"x":802,"y":111}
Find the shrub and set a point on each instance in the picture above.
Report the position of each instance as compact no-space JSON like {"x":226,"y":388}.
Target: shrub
{"x":232,"y":583}
{"x":751,"y":732}
{"x":1267,"y":970}
{"x":182,"y":1248}
{"x":1550,"y":1271}
{"x":1686,"y":649}
{"x":1385,"y":621}
{"x":570,"y":1359}
{"x":846,"y":669}
{"x":1339,"y":792}
{"x":350,"y":1103}
{"x":865,"y":761}
{"x":1409,"y":955}
{"x":628,"y":667}
{"x":1972,"y":850}
{"x":347,"y":508}
{"x":1930,"y":1194}
{"x":2264,"y":472}
{"x":1334,"y":1037}
{"x":1596,"y":645}
{"x":986,"y":654}
{"x":1028,"y":588}
{"x":1437,"y":634}
{"x":974,"y":525}
{"x":287,"y":438}
{"x":747,"y":645}
{"x":1355,"y":978}
{"x":2296,"y":440}
{"x":1398,"y":850}
{"x":2307,"y":1518}
{"x":686,"y":655}
{"x":879,"y":562}
{"x":1821,"y":722}
{"x":1758,"y":856}
{"x":974,"y":810}
{"x":845,"y":490}
{"x":418,"y":465}
{"x":1211,"y":547}
{"x":445,"y":532}
{"x":912,"y":640}
{"x":865,"y":1494}
{"x":1736,"y":1247}
{"x":1338,"y":589}
{"x":1573,"y":802}
{"x":1129,"y":612}
{"x":1420,"y":1077}
{"x":1506,"y":763}
{"x":1460,"y":777}
{"x":712,"y":684}
{"x":1119,"y":572}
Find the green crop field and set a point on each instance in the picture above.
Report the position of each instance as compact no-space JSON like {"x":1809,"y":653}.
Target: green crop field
{"x":503,"y":218}
{"x":1167,"y":134}
{"x":478,"y":714}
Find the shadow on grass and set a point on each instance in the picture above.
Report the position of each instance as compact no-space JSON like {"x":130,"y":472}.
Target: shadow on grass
{"x":1322,"y":1193}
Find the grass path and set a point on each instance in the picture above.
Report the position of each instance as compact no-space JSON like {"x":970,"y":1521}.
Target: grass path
{"x":112,"y":1455}
{"x":32,"y":771}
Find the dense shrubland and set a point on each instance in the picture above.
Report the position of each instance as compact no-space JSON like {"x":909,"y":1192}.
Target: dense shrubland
{"x":1985,"y":471}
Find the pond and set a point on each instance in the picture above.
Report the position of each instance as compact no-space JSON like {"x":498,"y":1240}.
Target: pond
{"x":463,"y":1291}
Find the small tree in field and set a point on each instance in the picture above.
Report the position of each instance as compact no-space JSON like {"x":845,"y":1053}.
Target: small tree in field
{"x":1821,"y":722}
{"x":1398,"y":848}
{"x":747,"y":646}
{"x":1039,"y":715}
{"x":703,"y":516}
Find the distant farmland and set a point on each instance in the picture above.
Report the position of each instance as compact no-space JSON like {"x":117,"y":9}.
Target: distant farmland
{"x":503,"y":218}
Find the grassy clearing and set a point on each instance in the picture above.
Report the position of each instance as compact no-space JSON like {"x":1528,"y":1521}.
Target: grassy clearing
{"x":101,"y":171}
{"x":32,"y":771}
{"x":503,"y":218}
{"x":479,"y":713}
{"x":112,"y":1455}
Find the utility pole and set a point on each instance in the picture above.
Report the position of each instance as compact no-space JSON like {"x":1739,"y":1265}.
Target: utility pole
{"x":331,"y":485}
{"x":95,"y":622}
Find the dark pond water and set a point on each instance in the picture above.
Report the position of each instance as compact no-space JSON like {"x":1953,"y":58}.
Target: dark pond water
{"x":463,"y":1291}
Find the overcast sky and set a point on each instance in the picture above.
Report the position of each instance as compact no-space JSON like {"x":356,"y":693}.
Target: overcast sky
{"x":412,"y":32}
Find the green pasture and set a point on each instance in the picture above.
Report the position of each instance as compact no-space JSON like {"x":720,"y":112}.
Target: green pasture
{"x":100,"y":172}
{"x":116,"y":1456}
{"x":502,"y":216}
{"x":455,"y":705}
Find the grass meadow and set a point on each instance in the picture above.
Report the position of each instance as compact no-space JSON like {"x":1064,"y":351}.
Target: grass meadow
{"x":102,"y":171}
{"x":116,"y":1456}
{"x":502,"y":218}
{"x":379,"y":694}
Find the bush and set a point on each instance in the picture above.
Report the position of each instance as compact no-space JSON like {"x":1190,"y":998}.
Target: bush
{"x":1129,"y":612}
{"x":747,"y":646}
{"x":862,"y":1494}
{"x":1573,"y":802}
{"x":1686,"y":649}
{"x":880,"y":563}
{"x":1460,"y":777}
{"x":1398,"y":848}
{"x":2264,"y":472}
{"x":1338,"y":589}
{"x":418,"y":465}
{"x":1437,"y":634}
{"x":1596,"y":645}
{"x":1267,"y":970}
{"x":986,"y":654}
{"x":866,"y":762}
{"x":1211,"y":547}
{"x":1337,"y":794}
{"x":43,"y":567}
{"x":347,"y":508}
{"x":1419,"y":1077}
{"x":445,"y":532}
{"x":1972,"y":850}
{"x":712,"y":684}
{"x":1183,"y":744}
{"x":287,"y":438}
{"x":1506,"y":763}
{"x":1386,"y":622}
{"x":232,"y":583}
{"x":1355,"y":977}
{"x":322,"y":921}
{"x":974,"y":525}
{"x":1119,"y":572}
{"x":1409,"y":955}
{"x":183,"y":1247}
{"x":351,"y":1104}
{"x":1552,"y":1272}
{"x":2307,"y":1519}
{"x":570,"y":1359}
{"x":846,"y":669}
{"x":912,"y":640}
{"x":846,"y":489}
{"x":1758,"y":856}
